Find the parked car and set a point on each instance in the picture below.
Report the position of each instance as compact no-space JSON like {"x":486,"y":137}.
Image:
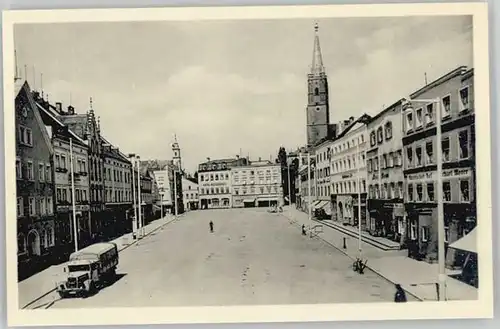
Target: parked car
{"x":88,"y":269}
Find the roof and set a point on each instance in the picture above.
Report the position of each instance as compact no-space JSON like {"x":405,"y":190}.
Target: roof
{"x":97,"y":248}
{"x":51,"y":118}
{"x":219,"y":161}
{"x":114,"y":152}
{"x":450,"y":75}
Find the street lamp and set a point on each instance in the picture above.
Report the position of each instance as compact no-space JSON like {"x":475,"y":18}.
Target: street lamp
{"x":175,"y":190}
{"x":143,"y":208}
{"x":161,"y":204}
{"x":75,"y":227}
{"x":440,"y":210}
{"x":134,"y":222}
{"x":139,"y":194}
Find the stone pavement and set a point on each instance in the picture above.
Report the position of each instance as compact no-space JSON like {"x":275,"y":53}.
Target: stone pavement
{"x":416,"y":277}
{"x":43,"y":283}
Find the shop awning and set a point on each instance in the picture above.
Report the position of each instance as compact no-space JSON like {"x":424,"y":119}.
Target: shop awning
{"x":328,"y":208}
{"x":249,"y":200}
{"x":466,"y":243}
{"x":317,"y":204}
{"x":267,"y":199}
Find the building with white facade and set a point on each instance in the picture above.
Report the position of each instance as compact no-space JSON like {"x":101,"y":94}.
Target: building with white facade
{"x":190,"y":193}
{"x":257,"y":185}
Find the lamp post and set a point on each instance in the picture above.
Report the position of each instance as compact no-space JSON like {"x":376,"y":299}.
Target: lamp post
{"x":75,"y":227}
{"x":289,"y":188}
{"x":139,"y":196}
{"x":309,"y":185}
{"x":439,"y":195}
{"x":359,"y":197}
{"x":134,"y":222}
{"x":175,"y":190}
{"x":161,"y":204}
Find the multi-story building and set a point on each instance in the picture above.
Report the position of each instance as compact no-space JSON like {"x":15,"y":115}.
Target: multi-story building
{"x":117,"y":191}
{"x":385,"y":175}
{"x":256,"y":185}
{"x":322,"y":194}
{"x":162,"y":180}
{"x":306,"y":180}
{"x":148,"y":198}
{"x":190,"y":193}
{"x":65,"y":143}
{"x":215,"y":183}
{"x":87,"y":127}
{"x":455,"y":93}
{"x":34,"y":184}
{"x":348,"y":173}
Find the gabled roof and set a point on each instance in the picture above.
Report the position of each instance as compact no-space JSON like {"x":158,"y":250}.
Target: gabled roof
{"x":363,"y":119}
{"x":49,"y":117}
{"x":25,"y":88}
{"x":114,"y":152}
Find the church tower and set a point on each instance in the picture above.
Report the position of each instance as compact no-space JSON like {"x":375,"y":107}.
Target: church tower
{"x":318,"y":111}
{"x":176,"y":151}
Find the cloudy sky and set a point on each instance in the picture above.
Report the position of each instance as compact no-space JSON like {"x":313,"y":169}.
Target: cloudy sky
{"x":222,"y":86}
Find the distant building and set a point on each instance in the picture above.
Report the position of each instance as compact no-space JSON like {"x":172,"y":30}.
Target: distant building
{"x":65,"y":142}
{"x":257,"y":185}
{"x":455,"y":91}
{"x":215,"y":183}
{"x":190,"y":193}
{"x":385,"y":175}
{"x":118,"y":191}
{"x":160,"y":170}
{"x":34,"y":185}
{"x":148,"y":198}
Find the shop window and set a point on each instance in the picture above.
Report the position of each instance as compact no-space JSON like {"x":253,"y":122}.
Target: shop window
{"x":430,"y":192}
{"x":446,"y":191}
{"x":464,"y":99}
{"x":413,"y":230}
{"x":425,"y":233}
{"x":464,"y":191}
{"x":446,"y":149}
{"x":429,"y":152}
{"x":463,"y":144}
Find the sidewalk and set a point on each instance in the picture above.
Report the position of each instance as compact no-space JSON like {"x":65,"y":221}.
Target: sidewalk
{"x":416,"y":277}
{"x":44,"y":282}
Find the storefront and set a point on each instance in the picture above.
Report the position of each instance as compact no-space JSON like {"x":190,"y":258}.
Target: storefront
{"x":387,"y":219}
{"x":344,"y":209}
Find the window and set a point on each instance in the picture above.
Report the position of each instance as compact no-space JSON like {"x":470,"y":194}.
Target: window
{"x":429,"y":153}
{"x":50,"y":236}
{"x":211,"y":177}
{"x":32,"y":206}
{"x":446,"y":191}
{"x":464,"y":99}
{"x":373,"y":140}
{"x":446,"y":234}
{"x":383,"y":165}
{"x":446,"y":106}
{"x":399,"y":158}
{"x":400,"y":190}
{"x":420,"y":192}
{"x":464,"y":191}
{"x":392,"y":191}
{"x":19,"y":168}
{"x":410,"y":192}
{"x":409,"y":121}
{"x":216,"y":177}
{"x":375,"y":164}
{"x":418,"y":153}
{"x":25,"y":136}
{"x":316,"y":91}
{"x":63,"y":161}
{"x":29,"y":170}
{"x":430,"y":192}
{"x":390,"y":159}
{"x":20,"y":207}
{"x":429,"y":114}
{"x":446,"y":149}
{"x":409,"y":156}
{"x":388,"y":130}
{"x":369,"y":165}
{"x":50,"y":208}
{"x":425,"y":233}
{"x":380,"y":135}
{"x":463,"y":144}
{"x":41,"y":172}
{"x":413,"y":230}
{"x":42,"y":206}
{"x":419,"y":118}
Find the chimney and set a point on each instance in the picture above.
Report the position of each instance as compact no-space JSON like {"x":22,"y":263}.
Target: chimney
{"x":59,"y":107}
{"x":237,"y":157}
{"x":351,"y":119}
{"x":208,"y":159}
{"x":260,"y":159}
{"x":36,"y":95}
{"x":71,"y":110}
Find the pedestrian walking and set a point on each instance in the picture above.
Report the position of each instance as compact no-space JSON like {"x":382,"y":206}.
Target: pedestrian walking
{"x":303,"y":229}
{"x":400,"y":296}
{"x":211,"y":227}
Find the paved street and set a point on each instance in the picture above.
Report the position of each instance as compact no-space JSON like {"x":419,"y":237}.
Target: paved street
{"x":253,"y":257}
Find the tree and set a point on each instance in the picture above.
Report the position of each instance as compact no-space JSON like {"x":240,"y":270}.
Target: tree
{"x":195,"y":176}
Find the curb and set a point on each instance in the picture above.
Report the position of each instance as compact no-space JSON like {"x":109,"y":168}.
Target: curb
{"x":346,"y":254}
{"x":119,"y":250}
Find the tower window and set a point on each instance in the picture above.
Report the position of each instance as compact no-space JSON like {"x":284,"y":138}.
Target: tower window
{"x":316,"y":91}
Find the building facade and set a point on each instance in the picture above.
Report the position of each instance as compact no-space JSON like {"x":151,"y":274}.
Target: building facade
{"x":34,"y":185}
{"x":256,"y":185}
{"x":348,"y":173}
{"x":323,"y":194}
{"x":455,"y":93}
{"x":385,"y":175}
{"x":190,"y":193}
{"x":65,"y":143}
{"x":214,"y":182}
{"x":165,"y":194}
{"x":148,"y":199}
{"x":118,"y":195}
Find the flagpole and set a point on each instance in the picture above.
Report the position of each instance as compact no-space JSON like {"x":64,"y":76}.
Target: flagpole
{"x":75,"y":228}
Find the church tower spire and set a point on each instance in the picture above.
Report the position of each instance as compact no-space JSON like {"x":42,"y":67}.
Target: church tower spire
{"x":318,"y":110}
{"x":176,"y":150}
{"x":317,"y":61}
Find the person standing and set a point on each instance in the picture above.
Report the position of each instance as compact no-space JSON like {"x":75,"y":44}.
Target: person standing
{"x":211,"y":224}
{"x":400,"y":296}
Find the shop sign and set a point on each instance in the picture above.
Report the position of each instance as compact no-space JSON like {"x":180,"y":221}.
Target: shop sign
{"x":346,"y":176}
{"x":459,"y":172}
{"x":422,"y":175}
{"x":385,"y":175}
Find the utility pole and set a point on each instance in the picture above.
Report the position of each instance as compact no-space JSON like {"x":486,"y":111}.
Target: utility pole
{"x":75,"y":227}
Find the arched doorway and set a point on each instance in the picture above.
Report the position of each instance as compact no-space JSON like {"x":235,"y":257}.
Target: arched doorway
{"x":34,"y":243}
